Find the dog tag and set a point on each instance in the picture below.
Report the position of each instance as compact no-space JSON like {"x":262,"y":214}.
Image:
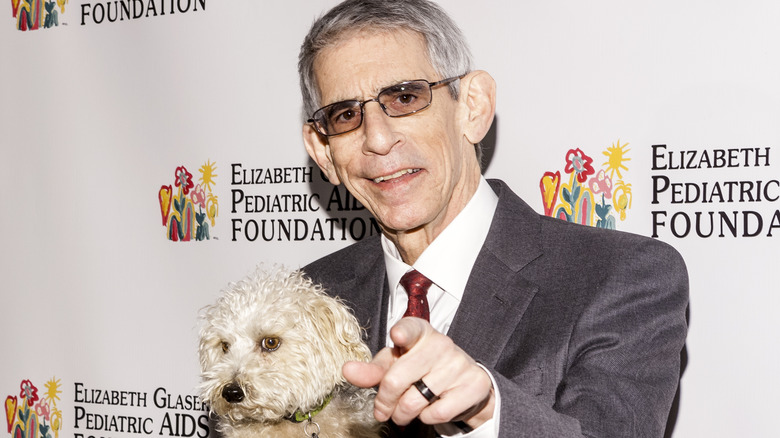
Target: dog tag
{"x":309,"y":426}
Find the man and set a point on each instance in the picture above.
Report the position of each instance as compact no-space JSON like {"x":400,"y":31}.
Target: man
{"x":532,"y":326}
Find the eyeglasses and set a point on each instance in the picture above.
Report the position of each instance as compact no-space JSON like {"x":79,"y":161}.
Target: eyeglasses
{"x":396,"y":101}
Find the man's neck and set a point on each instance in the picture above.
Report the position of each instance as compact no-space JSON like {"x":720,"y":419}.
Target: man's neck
{"x":412,"y":243}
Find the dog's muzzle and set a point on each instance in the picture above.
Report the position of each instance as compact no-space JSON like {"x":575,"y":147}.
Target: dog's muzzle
{"x":233,"y":393}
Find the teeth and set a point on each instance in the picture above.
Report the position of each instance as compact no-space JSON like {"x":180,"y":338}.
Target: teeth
{"x":395,"y":175}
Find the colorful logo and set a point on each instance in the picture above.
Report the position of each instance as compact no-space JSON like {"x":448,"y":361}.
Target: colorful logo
{"x":187,"y":214}
{"x":29,"y":416}
{"x":34,"y":14}
{"x":588,"y":191}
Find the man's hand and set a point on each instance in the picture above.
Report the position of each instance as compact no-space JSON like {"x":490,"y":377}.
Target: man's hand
{"x":463,"y":388}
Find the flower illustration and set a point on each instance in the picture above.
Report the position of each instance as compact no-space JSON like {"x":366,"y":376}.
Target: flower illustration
{"x":584,"y":198}
{"x":623,"y":198}
{"x":601,"y":184}
{"x":184,"y":179}
{"x":579,"y":163}
{"x":56,"y":422}
{"x":186,"y":213}
{"x":198,"y":196}
{"x":42,"y":409}
{"x":28,"y":391}
{"x":212,"y":208}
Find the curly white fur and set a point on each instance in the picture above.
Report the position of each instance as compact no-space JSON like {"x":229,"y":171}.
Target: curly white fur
{"x":314,"y":334}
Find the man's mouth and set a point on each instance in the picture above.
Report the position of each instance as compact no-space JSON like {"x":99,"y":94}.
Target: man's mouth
{"x":398,"y":174}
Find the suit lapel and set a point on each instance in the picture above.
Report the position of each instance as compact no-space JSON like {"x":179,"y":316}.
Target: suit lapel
{"x":490,"y":310}
{"x":497,"y":293}
{"x":375,"y":305}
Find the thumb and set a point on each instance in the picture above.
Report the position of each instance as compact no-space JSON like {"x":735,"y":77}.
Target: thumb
{"x":368,"y":374}
{"x":408,"y":331}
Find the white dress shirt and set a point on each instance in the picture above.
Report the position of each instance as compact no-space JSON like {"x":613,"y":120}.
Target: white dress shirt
{"x":447,"y":262}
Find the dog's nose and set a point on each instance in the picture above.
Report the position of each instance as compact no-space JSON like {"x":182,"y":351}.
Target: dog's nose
{"x":233,"y":393}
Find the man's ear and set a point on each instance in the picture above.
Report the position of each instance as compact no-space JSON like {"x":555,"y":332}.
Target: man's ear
{"x":319,"y":150}
{"x":478,"y":93}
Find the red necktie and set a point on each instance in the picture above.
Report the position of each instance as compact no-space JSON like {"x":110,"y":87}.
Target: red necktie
{"x":416,"y":286}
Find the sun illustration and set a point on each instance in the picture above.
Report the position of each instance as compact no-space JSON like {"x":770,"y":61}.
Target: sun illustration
{"x":616,"y":157}
{"x":53,"y":389}
{"x":208,"y":175}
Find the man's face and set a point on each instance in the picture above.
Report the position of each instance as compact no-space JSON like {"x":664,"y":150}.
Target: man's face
{"x":414,"y":172}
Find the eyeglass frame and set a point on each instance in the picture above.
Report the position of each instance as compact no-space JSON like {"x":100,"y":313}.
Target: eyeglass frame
{"x":431,"y":85}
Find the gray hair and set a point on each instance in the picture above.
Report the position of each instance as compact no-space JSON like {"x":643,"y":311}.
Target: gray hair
{"x":447,"y":49}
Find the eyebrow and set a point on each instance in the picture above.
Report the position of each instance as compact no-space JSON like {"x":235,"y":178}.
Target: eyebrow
{"x":375,"y":92}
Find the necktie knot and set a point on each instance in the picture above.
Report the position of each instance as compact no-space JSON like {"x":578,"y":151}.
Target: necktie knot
{"x":416,"y":286}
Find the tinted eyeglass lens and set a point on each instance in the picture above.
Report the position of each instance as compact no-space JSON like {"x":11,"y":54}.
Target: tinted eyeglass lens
{"x":396,"y":101}
{"x":340,"y":117}
{"x":405,"y":98}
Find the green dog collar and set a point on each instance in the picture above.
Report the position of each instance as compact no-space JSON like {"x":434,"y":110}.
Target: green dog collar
{"x":300,"y":417}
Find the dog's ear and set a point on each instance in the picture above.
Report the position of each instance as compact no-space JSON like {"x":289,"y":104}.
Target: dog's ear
{"x":208,"y":346}
{"x":339,"y":327}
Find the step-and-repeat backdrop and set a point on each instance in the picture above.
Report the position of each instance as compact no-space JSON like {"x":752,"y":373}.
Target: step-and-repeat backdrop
{"x":151,"y":153}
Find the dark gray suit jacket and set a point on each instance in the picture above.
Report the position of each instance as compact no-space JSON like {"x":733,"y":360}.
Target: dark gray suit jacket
{"x":582,"y":328}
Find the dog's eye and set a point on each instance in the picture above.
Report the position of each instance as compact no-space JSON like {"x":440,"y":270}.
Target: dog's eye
{"x":225,"y":347}
{"x":270,"y":343}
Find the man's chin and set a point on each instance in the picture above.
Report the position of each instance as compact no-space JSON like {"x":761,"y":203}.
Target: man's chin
{"x":402,"y":224}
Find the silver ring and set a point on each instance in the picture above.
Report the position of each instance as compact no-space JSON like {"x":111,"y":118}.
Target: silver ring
{"x":425,"y":391}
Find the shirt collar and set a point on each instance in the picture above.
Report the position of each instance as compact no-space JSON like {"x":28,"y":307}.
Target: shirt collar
{"x":448,"y":260}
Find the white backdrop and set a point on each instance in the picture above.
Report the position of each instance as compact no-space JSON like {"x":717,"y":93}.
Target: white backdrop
{"x":99,"y":309}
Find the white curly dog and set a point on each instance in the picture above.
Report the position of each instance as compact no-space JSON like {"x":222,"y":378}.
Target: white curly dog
{"x":271,"y":352}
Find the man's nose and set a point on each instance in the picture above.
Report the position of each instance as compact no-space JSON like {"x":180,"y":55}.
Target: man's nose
{"x":378,"y":129}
